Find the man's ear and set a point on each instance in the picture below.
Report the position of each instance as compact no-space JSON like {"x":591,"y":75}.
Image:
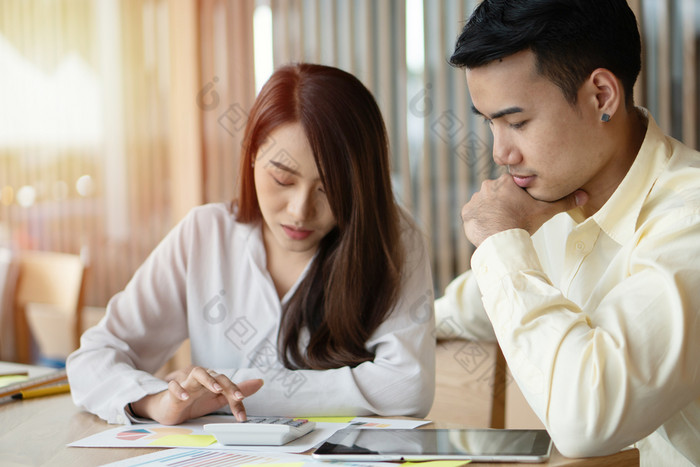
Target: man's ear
{"x":606,"y":92}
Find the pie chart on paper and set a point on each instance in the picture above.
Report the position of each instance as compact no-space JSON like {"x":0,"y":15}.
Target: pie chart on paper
{"x":133,"y":435}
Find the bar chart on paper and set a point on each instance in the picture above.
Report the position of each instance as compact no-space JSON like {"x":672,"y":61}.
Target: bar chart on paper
{"x":201,"y":458}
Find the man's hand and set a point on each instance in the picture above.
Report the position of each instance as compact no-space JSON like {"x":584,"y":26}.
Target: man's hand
{"x":501,"y":205}
{"x":193,"y":392}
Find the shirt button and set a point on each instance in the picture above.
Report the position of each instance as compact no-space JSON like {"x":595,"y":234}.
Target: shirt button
{"x":580,"y":246}
{"x":484,"y":269}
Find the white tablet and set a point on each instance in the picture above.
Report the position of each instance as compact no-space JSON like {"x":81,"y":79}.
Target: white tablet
{"x":481,"y":445}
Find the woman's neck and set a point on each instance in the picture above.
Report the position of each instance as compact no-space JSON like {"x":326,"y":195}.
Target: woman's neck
{"x":284,"y":266}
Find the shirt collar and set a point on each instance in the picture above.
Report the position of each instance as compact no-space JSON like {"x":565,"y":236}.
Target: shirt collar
{"x":618,"y":216}
{"x":253,"y":235}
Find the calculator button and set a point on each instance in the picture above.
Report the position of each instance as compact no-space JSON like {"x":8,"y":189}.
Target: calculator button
{"x":284,"y":421}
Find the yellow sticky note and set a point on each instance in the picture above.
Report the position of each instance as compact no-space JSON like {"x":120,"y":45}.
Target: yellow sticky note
{"x":190,"y":441}
{"x":329,"y":419}
{"x":438,"y":463}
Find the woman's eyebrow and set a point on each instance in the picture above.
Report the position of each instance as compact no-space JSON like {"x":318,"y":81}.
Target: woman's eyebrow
{"x":286,"y":168}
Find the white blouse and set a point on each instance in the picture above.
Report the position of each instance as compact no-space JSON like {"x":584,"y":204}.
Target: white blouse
{"x":207,"y":280}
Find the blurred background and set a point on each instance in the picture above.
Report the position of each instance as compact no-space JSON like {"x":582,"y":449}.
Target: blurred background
{"x":118,"y":116}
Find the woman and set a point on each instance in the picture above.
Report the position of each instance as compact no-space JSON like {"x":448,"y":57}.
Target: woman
{"x":312,"y":280}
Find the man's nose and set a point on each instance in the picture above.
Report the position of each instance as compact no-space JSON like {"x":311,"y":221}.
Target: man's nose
{"x":504,"y":151}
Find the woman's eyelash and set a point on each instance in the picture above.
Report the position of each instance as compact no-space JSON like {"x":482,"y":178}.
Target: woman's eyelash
{"x":285,"y":183}
{"x":279,"y":182}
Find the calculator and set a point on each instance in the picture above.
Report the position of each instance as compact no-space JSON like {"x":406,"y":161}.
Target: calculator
{"x":260,"y":431}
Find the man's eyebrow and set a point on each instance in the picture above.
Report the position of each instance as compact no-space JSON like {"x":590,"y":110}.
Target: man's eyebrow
{"x":286,"y":168}
{"x":500,"y":113}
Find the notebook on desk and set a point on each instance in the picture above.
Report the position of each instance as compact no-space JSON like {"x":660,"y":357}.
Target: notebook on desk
{"x":31,"y":382}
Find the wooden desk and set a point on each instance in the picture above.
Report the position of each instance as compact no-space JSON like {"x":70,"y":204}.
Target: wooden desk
{"x":35,"y":432}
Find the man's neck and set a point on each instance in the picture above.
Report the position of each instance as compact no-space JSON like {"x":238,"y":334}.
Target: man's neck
{"x":629,"y":131}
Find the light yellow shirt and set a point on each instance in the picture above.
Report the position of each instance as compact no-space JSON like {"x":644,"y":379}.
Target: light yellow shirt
{"x":599,"y":318}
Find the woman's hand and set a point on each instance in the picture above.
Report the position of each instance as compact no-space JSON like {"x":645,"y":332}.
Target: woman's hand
{"x":193,"y":392}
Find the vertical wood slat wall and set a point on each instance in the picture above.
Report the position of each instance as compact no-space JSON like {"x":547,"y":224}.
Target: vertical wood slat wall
{"x":137,"y":173}
{"x":185,"y":138}
{"x":668,"y":85}
{"x":227,"y":92}
{"x":689,"y":132}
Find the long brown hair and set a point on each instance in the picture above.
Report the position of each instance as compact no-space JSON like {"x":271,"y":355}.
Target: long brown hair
{"x":355,"y":277}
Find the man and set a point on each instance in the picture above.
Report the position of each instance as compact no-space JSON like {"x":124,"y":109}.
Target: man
{"x":587,"y":267}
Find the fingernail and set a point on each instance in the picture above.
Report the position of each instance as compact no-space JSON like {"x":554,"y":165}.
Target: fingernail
{"x":238,"y":395}
{"x":184,"y":396}
{"x":217,"y":388}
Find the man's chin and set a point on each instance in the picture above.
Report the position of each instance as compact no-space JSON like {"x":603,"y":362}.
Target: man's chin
{"x":544,"y":197}
{"x":537,"y":195}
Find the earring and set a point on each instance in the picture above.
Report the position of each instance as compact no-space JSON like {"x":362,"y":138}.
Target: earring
{"x":252,"y":164}
{"x":605,"y":118}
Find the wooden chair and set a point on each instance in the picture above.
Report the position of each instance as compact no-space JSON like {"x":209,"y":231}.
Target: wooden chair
{"x":47,"y":304}
{"x":474,"y":388}
{"x":8,"y":281}
{"x":468,"y":384}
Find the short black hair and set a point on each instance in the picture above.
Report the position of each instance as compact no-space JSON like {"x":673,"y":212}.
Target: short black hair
{"x":570,"y":39}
